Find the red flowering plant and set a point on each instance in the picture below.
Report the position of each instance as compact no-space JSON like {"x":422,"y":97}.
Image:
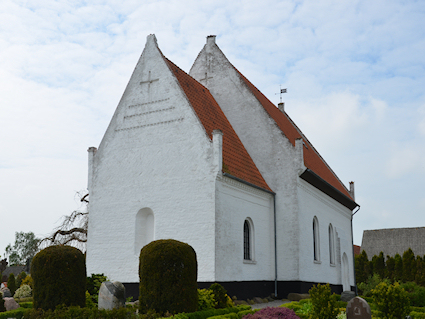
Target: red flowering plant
{"x":273,"y":313}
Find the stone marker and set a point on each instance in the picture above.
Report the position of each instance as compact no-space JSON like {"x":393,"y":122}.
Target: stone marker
{"x":111,"y":295}
{"x":358,"y":308}
{"x":347,"y":295}
{"x":10,"y":304}
{"x":6,"y":292}
{"x":297,"y":297}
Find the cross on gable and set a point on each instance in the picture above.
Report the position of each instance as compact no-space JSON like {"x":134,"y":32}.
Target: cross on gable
{"x":149,"y":82}
{"x":206,"y":78}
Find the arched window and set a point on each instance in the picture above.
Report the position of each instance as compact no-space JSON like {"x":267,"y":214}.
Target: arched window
{"x":316,"y":239}
{"x":145,"y":226}
{"x":248,"y":240}
{"x":331,"y":245}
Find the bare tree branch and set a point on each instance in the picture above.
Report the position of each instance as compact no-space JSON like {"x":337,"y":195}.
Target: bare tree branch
{"x":73,"y":229}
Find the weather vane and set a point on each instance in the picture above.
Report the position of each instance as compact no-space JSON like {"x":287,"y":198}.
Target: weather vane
{"x":281,"y":91}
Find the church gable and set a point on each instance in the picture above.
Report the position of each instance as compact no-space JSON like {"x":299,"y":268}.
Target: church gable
{"x":212,"y":65}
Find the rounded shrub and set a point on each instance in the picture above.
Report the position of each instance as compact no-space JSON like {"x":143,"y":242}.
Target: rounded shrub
{"x":220,"y":295}
{"x":168,"y":273}
{"x":324,"y":304}
{"x":391,"y":300}
{"x":59,"y":277}
{"x":23,"y":292}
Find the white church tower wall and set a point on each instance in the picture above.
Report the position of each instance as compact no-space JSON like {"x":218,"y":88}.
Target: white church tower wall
{"x":153,"y":176}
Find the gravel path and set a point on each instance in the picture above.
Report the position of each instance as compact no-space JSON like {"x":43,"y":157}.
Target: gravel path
{"x":275,"y":303}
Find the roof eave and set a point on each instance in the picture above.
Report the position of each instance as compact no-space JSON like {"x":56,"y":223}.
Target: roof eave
{"x":315,"y":180}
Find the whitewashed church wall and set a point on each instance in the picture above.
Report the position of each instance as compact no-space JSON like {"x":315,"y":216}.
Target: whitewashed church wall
{"x":314,"y":203}
{"x":155,"y":155}
{"x":273,"y":154}
{"x":237,"y":202}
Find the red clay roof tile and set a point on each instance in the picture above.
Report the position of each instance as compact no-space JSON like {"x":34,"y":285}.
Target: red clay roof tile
{"x":312,"y":158}
{"x":236,"y":160}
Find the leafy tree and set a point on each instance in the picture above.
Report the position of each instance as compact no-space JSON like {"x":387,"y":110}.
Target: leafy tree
{"x":362,"y":267}
{"x":371,"y":283}
{"x":11,"y":283}
{"x":409,"y":266}
{"x":25,"y":247}
{"x":420,"y":271}
{"x":379,"y":264}
{"x":398,"y":265}
{"x":390,"y":268}
{"x":20,"y":277}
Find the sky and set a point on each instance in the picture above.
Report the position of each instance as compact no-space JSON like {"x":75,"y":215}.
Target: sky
{"x":354,"y":73}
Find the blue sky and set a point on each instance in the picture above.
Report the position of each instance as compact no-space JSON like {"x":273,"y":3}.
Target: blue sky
{"x":354,"y":70}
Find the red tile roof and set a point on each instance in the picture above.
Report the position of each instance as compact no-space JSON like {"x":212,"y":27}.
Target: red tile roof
{"x":356,"y":250}
{"x":312,"y":158}
{"x":236,"y":160}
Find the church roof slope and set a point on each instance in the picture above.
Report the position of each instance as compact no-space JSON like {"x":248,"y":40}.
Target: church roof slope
{"x":236,"y":160}
{"x":312,"y":159}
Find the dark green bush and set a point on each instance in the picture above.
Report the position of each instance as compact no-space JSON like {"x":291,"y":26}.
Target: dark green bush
{"x":371,"y":283}
{"x":211,"y":312}
{"x":417,"y":315}
{"x":77,"y":313}
{"x":206,"y":299}
{"x":168,"y":273}
{"x":416,"y":293}
{"x":391,"y":300}
{"x":19,"y":279}
{"x":59,"y":277}
{"x":93,"y":285}
{"x":324,"y":303}
{"x":220,"y":295}
{"x":11,"y":283}
{"x":16,"y":314}
{"x":2,"y":308}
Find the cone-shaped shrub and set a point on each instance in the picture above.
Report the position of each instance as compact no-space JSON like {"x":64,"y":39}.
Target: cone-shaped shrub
{"x":59,"y":277}
{"x":168,"y":273}
{"x":11,"y":283}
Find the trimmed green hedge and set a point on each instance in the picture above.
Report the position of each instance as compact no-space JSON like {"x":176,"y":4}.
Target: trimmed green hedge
{"x":168,"y":273}
{"x":17,"y":313}
{"x":212,"y":312}
{"x":59,"y":277}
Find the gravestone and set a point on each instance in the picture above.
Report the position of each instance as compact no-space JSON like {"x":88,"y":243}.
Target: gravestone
{"x":347,"y":295}
{"x":358,"y":308}
{"x":6,"y":292}
{"x":111,"y":295}
{"x":10,"y":304}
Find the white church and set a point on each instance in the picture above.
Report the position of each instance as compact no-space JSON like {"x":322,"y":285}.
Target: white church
{"x":207,"y":159}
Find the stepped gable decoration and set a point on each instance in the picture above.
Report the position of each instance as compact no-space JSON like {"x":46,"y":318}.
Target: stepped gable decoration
{"x":312,"y":159}
{"x":236,"y":160}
